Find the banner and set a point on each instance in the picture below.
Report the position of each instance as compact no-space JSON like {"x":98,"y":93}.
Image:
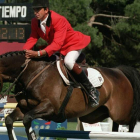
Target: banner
{"x":16,"y":12}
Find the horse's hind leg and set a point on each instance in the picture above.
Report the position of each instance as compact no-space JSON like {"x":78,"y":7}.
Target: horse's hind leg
{"x":44,"y":109}
{"x":16,"y":115}
{"x":131,"y":127}
{"x":115,"y":127}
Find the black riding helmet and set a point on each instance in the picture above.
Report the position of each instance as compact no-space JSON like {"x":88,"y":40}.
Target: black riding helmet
{"x":40,"y":3}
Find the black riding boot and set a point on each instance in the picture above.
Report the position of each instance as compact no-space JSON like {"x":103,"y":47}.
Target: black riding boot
{"x":91,"y":91}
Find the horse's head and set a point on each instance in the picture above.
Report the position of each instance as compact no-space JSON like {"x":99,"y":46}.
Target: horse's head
{"x":10,"y":65}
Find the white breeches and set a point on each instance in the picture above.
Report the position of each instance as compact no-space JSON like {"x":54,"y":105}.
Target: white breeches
{"x":71,"y":58}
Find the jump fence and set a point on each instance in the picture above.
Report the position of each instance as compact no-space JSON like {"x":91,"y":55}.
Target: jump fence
{"x":68,"y":133}
{"x":88,"y":134}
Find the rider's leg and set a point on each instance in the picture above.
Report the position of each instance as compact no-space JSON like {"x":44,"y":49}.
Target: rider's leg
{"x":70,"y":62}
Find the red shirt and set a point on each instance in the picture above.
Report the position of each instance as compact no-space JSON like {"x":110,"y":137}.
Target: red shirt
{"x":59,"y":35}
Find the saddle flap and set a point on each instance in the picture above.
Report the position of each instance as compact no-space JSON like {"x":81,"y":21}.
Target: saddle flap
{"x":64,"y":77}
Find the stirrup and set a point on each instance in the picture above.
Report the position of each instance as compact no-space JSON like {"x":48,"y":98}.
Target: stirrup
{"x":93,"y":98}
{"x":93,"y":102}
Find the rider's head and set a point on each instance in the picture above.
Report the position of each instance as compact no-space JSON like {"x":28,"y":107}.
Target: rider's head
{"x":41,"y":8}
{"x":40,"y":4}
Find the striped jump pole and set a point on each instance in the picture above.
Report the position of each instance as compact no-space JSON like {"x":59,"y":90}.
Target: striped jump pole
{"x":88,"y":134}
{"x":16,"y":124}
{"x":8,"y":105}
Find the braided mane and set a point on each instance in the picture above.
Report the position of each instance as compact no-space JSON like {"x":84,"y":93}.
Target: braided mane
{"x":9,"y":54}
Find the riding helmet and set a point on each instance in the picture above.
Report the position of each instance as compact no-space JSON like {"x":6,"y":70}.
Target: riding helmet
{"x":40,"y":3}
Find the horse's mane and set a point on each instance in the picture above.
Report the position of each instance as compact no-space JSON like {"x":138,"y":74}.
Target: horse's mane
{"x":13,"y":53}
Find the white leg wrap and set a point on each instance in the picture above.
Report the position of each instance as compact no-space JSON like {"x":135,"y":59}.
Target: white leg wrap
{"x":14,"y":135}
{"x":32,"y":133}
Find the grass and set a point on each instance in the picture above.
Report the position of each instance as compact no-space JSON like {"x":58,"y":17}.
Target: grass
{"x":71,"y":125}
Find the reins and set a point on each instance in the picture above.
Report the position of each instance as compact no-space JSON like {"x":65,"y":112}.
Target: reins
{"x":16,"y":79}
{"x":39,"y":74}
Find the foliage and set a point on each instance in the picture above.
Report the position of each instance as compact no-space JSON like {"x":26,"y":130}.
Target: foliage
{"x":5,"y":87}
{"x":121,"y":40}
{"x":77,"y":12}
{"x":93,"y":50}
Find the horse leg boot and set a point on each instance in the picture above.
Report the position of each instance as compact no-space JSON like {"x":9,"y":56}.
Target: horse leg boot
{"x":92,"y":92}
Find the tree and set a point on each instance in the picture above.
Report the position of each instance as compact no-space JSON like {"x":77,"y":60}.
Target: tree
{"x":118,"y":21}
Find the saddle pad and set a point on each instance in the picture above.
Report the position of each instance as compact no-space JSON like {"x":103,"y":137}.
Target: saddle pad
{"x":94,"y":76}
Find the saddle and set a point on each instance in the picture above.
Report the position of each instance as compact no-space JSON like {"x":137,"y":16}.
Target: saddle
{"x":93,"y":75}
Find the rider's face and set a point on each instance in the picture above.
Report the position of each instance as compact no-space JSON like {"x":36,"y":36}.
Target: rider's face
{"x":40,"y":13}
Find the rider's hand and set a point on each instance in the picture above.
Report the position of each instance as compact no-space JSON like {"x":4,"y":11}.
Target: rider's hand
{"x":31,"y":54}
{"x":35,"y":54}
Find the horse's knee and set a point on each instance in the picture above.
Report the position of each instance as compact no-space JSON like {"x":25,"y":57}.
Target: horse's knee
{"x":27,"y":119}
{"x":8,"y":121}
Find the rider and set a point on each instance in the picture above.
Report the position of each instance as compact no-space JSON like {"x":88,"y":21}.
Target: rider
{"x":57,"y":31}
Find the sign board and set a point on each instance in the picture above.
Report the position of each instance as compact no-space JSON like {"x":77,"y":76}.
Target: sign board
{"x":92,"y":127}
{"x":18,"y":17}
{"x":16,"y":12}
{"x":18,"y":33}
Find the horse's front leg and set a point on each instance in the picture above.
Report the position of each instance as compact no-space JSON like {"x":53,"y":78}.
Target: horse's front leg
{"x":16,"y":115}
{"x":44,"y":109}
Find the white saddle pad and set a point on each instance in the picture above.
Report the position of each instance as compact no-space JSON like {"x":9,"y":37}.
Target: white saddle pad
{"x":94,"y":76}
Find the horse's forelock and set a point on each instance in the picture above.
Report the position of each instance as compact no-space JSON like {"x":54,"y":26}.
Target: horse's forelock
{"x":9,"y":54}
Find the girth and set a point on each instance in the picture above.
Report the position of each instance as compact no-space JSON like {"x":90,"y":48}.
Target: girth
{"x":61,"y":114}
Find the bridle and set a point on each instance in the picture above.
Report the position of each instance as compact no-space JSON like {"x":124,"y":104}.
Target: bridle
{"x":16,"y":79}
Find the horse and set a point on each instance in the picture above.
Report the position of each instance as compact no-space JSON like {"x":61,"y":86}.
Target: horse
{"x":43,"y":94}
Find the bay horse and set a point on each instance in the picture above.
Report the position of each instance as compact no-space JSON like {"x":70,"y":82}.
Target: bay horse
{"x":43,"y":97}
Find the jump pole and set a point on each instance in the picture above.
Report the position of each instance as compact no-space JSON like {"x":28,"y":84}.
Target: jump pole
{"x":16,"y":124}
{"x":88,"y":134}
{"x":8,"y":105}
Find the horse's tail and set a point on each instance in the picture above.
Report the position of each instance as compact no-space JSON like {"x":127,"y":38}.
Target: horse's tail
{"x":134,"y":77}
